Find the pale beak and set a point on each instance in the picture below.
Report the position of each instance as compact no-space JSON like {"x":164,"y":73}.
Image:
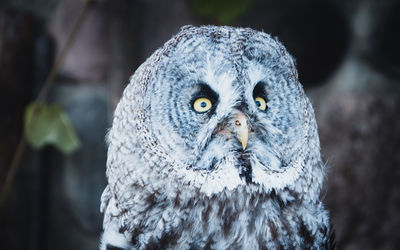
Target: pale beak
{"x":241,"y":129}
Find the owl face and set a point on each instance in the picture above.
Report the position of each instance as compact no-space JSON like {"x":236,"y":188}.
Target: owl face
{"x":228,"y":107}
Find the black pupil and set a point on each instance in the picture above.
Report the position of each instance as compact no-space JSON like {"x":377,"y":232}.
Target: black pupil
{"x":258,"y":103}
{"x":203,"y":104}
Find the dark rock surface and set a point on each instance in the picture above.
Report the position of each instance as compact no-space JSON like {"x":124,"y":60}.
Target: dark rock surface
{"x":360,"y":140}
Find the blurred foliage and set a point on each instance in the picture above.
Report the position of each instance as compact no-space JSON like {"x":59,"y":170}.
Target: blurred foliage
{"x":50,"y":125}
{"x":223,"y":11}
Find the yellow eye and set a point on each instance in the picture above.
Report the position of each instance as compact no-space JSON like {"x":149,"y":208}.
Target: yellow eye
{"x":261,"y":103}
{"x":202,"y":104}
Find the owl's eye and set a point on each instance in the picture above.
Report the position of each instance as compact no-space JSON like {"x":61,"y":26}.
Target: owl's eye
{"x":261,"y":103}
{"x":202,"y":104}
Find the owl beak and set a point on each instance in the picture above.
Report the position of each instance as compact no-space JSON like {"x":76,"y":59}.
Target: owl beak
{"x":241,"y":129}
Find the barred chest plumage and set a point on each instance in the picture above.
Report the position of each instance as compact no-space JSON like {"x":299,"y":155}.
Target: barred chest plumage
{"x":239,"y":219}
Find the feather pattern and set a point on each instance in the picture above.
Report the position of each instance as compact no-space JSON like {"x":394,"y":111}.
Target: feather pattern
{"x":179,"y":179}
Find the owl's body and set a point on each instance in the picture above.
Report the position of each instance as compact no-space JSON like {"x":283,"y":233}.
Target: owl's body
{"x":214,"y":145}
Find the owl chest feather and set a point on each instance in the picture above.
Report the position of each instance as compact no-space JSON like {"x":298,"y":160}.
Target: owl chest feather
{"x":229,"y":220}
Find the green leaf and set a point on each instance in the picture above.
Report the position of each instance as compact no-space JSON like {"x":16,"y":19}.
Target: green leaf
{"x":49,"y":125}
{"x":224,"y":11}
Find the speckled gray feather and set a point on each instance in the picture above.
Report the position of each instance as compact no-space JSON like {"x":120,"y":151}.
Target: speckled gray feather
{"x":175,"y":181}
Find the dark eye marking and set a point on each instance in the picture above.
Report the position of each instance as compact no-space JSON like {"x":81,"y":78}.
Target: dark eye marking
{"x":260,"y":96}
{"x":259,"y":90}
{"x":204,"y":91}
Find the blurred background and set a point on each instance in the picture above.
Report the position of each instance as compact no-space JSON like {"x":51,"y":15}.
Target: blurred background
{"x":348,"y":57}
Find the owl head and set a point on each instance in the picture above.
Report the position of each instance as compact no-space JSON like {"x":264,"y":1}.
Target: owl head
{"x":214,"y":109}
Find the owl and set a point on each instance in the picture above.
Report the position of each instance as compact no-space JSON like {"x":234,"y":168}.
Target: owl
{"x":214,"y":145}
